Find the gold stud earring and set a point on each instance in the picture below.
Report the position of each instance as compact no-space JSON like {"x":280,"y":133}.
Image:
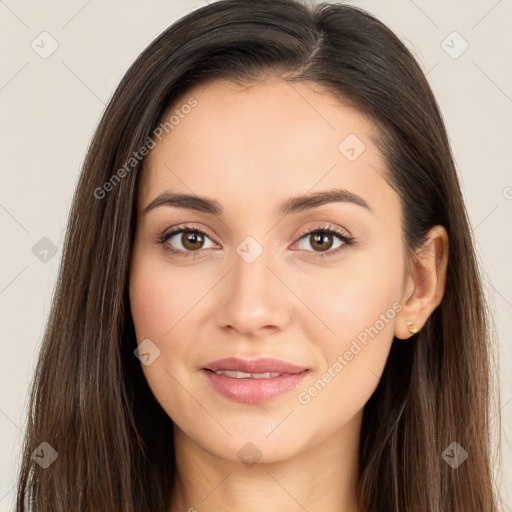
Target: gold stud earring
{"x":412,"y":328}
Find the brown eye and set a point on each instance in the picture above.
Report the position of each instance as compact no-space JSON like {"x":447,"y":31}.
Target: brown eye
{"x":192,"y":240}
{"x":185,"y":240}
{"x":321,"y":241}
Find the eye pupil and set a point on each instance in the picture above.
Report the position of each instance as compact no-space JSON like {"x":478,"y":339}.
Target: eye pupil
{"x":319,"y":240}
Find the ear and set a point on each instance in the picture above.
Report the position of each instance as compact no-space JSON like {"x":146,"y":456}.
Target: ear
{"x":425,"y":282}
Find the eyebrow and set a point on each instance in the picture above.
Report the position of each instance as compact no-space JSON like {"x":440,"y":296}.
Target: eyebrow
{"x":290,"y":206}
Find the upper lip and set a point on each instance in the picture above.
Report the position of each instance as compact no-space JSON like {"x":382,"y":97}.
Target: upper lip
{"x":262,"y":365}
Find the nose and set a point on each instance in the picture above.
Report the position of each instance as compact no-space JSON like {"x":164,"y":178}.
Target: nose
{"x":253,"y":300}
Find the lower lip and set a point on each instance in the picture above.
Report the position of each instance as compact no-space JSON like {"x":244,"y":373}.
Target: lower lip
{"x":253,"y":391}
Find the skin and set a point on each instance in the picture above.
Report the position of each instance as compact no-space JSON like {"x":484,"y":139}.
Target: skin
{"x":251,"y":149}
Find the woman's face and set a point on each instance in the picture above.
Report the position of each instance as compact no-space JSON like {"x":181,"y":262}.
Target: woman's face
{"x":262,"y":281}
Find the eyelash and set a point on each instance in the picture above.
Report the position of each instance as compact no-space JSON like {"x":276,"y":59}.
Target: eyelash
{"x":348,"y":241}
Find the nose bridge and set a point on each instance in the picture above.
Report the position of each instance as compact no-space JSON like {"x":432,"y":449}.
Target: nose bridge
{"x":253,"y":294}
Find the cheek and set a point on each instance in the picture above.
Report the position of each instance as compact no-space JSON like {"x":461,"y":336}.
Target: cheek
{"x":165,"y":304}
{"x":157,"y":297}
{"x":353,"y":298}
{"x":355,"y":309}
{"x":146,"y":307}
{"x":351,"y":360}
{"x":157,"y":305}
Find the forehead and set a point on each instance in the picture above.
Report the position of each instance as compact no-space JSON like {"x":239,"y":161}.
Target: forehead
{"x":265,"y":140}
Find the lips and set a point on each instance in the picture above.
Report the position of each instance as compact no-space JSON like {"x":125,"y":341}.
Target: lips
{"x":253,"y":381}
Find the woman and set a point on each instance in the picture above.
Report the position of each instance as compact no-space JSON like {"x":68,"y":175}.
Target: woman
{"x":269,"y":297}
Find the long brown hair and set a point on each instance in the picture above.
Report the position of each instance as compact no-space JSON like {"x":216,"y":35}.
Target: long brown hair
{"x":89,"y":399}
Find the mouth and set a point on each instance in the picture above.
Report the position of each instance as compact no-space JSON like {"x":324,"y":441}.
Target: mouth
{"x":253,"y":381}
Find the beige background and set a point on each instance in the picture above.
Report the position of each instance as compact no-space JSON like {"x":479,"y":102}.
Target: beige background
{"x":49,"y":108}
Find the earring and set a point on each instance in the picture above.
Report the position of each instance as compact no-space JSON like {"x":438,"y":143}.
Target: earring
{"x":412,"y":328}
